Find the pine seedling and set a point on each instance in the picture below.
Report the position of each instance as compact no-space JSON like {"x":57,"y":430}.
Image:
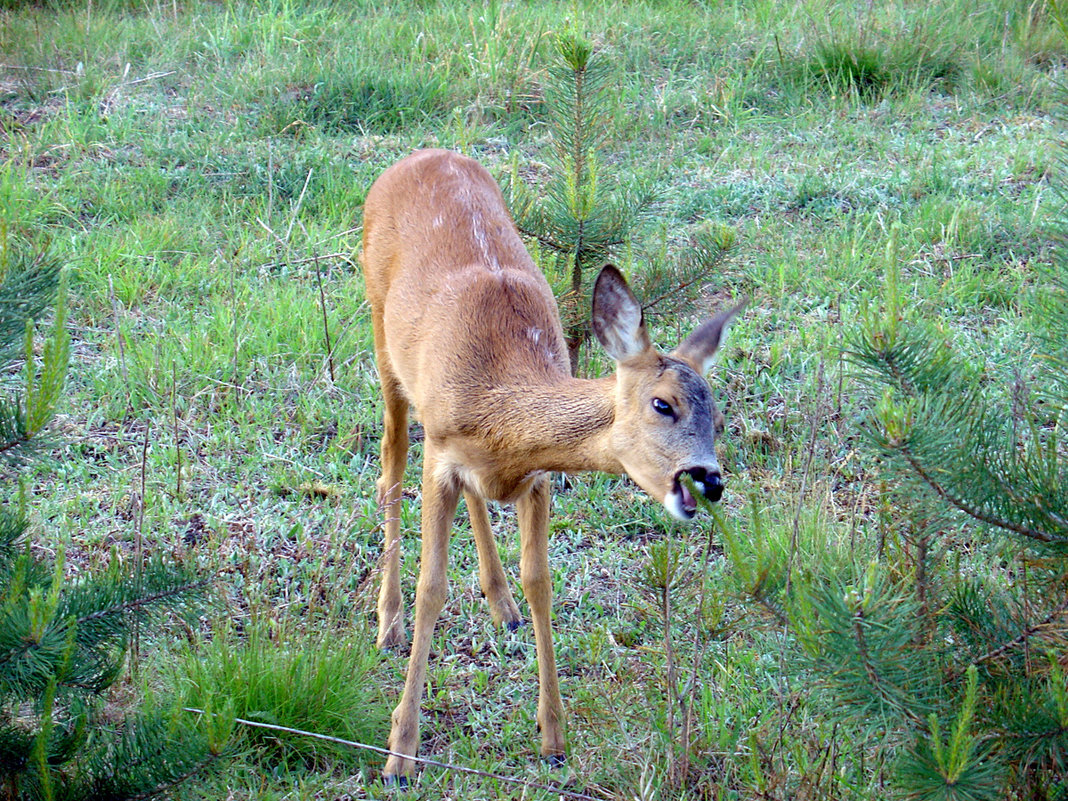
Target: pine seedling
{"x":955,"y":449}
{"x":63,"y":641}
{"x":955,"y":769}
{"x":574,"y":217}
{"x":584,"y":218}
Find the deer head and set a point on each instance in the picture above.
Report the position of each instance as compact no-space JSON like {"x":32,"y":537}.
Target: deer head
{"x":666,"y":421}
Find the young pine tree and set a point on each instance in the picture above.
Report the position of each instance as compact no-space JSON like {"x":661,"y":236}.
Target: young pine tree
{"x":584,"y":217}
{"x":962,"y":672}
{"x":63,"y":640}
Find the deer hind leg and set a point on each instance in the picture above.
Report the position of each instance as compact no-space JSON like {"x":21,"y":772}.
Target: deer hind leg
{"x":491,"y":575}
{"x":533,"y":511}
{"x":394,"y":458}
{"x":439,"y":506}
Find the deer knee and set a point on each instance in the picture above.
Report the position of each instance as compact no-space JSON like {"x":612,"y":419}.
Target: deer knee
{"x":432,"y":592}
{"x":537,"y":585}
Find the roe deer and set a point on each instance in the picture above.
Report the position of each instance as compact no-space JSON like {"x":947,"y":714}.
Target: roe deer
{"x":466,"y":330}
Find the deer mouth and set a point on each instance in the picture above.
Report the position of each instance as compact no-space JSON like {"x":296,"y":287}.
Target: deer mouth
{"x":681,"y":502}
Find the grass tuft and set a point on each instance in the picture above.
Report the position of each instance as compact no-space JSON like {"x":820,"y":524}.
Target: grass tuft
{"x":364,"y":101}
{"x":872,"y":68}
{"x":861,"y":68}
{"x":323,"y":684}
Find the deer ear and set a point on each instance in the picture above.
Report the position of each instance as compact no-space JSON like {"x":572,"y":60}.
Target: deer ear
{"x":700,"y":346}
{"x":617,"y":316}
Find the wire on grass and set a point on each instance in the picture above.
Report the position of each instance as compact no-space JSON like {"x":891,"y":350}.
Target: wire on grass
{"x":422,"y":760}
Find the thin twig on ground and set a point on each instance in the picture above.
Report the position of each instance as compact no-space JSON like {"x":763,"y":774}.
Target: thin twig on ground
{"x":326,"y":321}
{"x":119,"y":337}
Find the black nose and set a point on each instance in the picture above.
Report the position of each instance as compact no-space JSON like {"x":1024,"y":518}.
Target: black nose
{"x":714,"y":487}
{"x":712,"y":483}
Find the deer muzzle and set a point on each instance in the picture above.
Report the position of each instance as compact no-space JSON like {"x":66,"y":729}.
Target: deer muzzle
{"x":707,"y":481}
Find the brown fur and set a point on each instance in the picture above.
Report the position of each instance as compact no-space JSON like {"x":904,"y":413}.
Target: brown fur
{"x":467,"y":332}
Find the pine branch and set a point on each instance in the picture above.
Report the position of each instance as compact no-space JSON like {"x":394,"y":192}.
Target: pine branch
{"x":969,"y":508}
{"x":862,"y":648}
{"x":762,"y":591}
{"x":27,"y":286}
{"x":1018,"y":640}
{"x":1056,"y":731}
{"x":163,"y":787}
{"x":77,"y":637}
{"x":13,"y":434}
{"x":11,"y":448}
{"x":674,"y":290}
{"x":543,"y":239}
{"x":881,"y":687}
{"x":139,"y":603}
{"x":862,"y":641}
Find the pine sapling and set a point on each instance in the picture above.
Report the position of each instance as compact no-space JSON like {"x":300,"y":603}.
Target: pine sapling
{"x":583,"y":216}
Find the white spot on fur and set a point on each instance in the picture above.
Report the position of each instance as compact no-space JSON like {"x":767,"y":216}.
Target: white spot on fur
{"x":489,"y":259}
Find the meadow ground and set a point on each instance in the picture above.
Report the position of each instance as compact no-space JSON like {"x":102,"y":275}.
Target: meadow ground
{"x":200,"y":166}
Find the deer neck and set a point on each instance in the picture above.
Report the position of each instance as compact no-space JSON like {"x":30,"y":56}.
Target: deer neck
{"x":563,"y":425}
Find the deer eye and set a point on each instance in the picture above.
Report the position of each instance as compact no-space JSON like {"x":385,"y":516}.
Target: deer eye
{"x":663,"y":407}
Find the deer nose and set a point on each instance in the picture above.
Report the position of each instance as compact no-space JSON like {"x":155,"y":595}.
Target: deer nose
{"x":710,"y":482}
{"x":714,"y":487}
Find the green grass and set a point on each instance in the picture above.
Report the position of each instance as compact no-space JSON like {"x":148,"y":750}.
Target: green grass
{"x":324,"y":684}
{"x":195,"y":163}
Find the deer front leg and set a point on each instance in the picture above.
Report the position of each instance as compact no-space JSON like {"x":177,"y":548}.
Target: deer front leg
{"x":533,"y":511}
{"x":491,"y":576}
{"x":439,"y":507}
{"x":394,"y":458}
